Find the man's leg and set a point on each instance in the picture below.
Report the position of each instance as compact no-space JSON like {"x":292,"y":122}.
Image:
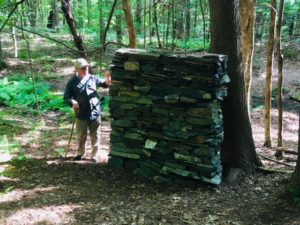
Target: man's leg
{"x":95,"y":129}
{"x":81,"y":127}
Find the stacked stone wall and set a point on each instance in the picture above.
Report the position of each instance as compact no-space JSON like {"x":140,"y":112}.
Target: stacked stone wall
{"x":166,"y":114}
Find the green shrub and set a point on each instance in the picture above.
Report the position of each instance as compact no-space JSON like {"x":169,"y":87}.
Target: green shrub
{"x":21,"y":94}
{"x":290,"y":53}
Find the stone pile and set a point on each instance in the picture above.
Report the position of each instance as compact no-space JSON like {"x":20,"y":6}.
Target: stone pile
{"x":166,"y":114}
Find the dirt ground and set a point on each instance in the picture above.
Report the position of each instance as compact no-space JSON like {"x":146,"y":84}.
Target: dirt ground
{"x":47,"y":190}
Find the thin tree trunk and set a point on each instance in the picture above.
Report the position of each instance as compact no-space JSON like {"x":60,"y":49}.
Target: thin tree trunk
{"x":204,"y":24}
{"x":280,"y":76}
{"x":238,"y":150}
{"x":15,"y":41}
{"x":150,"y":23}
{"x":138,"y":17}
{"x":269,"y":71}
{"x":145,"y":30}
{"x":247,"y":38}
{"x":32,"y":12}
{"x":108,"y":23}
{"x":88,"y":8}
{"x":168,"y":27}
{"x":118,"y":27}
{"x":130,"y":25}
{"x":101,"y":21}
{"x":187,"y":20}
{"x":3,"y":65}
{"x":156,"y":24}
{"x":173,"y":25}
{"x":195,"y":19}
{"x":68,"y":13}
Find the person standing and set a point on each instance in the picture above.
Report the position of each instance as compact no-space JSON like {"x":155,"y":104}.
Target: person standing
{"x":81,"y":94}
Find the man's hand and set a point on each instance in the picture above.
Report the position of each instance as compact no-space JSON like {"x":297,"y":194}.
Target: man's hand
{"x":107,"y":75}
{"x":75,"y":106}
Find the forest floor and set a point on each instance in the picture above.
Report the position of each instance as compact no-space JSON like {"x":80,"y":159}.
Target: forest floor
{"x":47,"y":190}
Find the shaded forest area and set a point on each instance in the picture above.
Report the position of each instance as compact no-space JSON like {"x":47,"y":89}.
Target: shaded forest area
{"x":39,"y":185}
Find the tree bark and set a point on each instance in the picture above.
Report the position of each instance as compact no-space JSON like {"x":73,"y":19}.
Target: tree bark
{"x":269,"y":71}
{"x":293,"y":188}
{"x":130,"y":25}
{"x":247,"y":39}
{"x":280,"y":75}
{"x":238,"y":150}
{"x":68,"y":13}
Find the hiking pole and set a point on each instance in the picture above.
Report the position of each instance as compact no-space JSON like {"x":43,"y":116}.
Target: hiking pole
{"x":70,"y":138}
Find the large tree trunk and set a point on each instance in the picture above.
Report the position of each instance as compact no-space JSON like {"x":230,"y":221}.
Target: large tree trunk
{"x":293,"y":189}
{"x":295,"y":181}
{"x":238,"y":150}
{"x":130,"y":25}
{"x":269,"y":71}
{"x":68,"y":13}
{"x":247,"y":32}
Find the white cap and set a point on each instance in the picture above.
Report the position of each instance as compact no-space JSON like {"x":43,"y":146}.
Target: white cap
{"x":81,"y":63}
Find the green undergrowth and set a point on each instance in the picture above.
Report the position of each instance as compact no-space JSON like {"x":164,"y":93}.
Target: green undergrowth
{"x":24,"y":93}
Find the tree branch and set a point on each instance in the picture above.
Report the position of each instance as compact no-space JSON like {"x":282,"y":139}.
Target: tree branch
{"x":44,"y":36}
{"x":11,"y":13}
{"x":273,"y":160}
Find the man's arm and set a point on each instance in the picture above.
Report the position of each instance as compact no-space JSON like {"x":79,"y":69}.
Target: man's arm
{"x":68,"y":97}
{"x":104,"y":83}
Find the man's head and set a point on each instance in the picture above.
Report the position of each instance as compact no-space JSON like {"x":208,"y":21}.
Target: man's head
{"x":81,"y":66}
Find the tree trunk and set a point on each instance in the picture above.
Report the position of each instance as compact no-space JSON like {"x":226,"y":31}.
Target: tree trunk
{"x":168,"y":27}
{"x":144,"y":25}
{"x":118,"y":27}
{"x":3,"y":65}
{"x":238,"y":150}
{"x":14,"y":37}
{"x":187,"y":19}
{"x":88,"y":9}
{"x":32,"y":12}
{"x":293,"y":189}
{"x":269,"y":71}
{"x":130,"y":25}
{"x":173,"y":25}
{"x":101,"y":21}
{"x":280,"y":77}
{"x":247,"y":39}
{"x":138,"y":16}
{"x":204,"y":23}
{"x":156,"y":24}
{"x":68,"y":13}
{"x":108,"y":23}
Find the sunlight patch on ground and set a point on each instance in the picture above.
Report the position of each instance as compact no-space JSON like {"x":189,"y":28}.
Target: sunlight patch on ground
{"x":20,"y":194}
{"x":45,"y":215}
{"x":290,"y":128}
